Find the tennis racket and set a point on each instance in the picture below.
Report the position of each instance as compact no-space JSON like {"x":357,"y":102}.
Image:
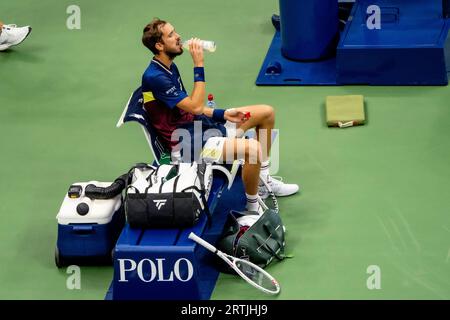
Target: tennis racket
{"x":248,"y":271}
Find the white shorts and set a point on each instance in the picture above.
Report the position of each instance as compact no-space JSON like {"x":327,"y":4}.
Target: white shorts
{"x":212,"y":151}
{"x":232,"y":130}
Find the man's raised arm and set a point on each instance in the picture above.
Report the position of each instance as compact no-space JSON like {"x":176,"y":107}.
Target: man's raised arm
{"x":195,"y":103}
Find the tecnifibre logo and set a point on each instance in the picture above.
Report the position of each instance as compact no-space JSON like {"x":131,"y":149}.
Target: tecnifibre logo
{"x":159,"y":203}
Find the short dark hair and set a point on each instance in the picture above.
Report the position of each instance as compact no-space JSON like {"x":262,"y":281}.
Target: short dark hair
{"x":153,"y":34}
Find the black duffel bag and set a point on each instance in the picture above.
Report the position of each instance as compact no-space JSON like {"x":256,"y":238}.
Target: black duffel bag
{"x":176,"y":209}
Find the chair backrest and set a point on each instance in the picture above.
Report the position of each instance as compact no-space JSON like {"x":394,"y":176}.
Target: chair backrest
{"x":134,"y":111}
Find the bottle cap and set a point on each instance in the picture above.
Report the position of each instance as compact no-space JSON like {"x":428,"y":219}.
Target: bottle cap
{"x":210,"y":97}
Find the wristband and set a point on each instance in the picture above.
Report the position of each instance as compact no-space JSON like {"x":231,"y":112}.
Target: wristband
{"x":199,"y":74}
{"x":219,"y":115}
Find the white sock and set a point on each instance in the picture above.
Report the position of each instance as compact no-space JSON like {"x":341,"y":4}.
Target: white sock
{"x":265,"y":166}
{"x":252,"y":202}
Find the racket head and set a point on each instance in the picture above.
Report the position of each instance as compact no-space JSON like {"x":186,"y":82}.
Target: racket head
{"x":247,"y":270}
{"x":253,"y":274}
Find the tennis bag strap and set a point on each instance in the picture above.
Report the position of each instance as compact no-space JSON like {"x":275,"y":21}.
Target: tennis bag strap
{"x":201,"y":169}
{"x":128,"y":183}
{"x":264,"y":245}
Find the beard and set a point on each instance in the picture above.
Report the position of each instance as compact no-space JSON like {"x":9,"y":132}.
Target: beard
{"x":172,"y":54}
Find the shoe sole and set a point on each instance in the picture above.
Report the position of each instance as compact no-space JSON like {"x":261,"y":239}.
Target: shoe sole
{"x":265,"y":196}
{"x":4,"y":47}
{"x":287,"y":195}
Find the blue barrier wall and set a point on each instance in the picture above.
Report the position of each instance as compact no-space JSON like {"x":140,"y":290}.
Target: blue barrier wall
{"x":309,"y":28}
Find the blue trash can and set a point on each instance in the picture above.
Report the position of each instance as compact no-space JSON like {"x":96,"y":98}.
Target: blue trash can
{"x":309,"y":29}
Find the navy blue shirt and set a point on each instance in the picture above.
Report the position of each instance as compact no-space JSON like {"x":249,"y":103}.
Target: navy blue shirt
{"x":162,"y":90}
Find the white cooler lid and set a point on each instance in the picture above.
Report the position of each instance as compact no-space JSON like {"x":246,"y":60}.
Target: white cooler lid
{"x":100,"y":211}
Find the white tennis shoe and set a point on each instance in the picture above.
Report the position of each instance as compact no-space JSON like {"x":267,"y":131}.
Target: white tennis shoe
{"x":279,"y":188}
{"x":12,"y":35}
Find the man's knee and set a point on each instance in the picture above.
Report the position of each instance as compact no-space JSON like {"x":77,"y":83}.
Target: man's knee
{"x":269,"y":112}
{"x":253,"y":151}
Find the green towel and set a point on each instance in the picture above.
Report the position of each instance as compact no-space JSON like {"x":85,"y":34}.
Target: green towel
{"x":345,"y":111}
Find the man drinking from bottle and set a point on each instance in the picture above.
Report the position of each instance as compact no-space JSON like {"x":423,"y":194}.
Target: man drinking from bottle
{"x":170,"y":107}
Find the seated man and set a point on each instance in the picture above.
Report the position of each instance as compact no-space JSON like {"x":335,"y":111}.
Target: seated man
{"x":171,"y":108}
{"x":11,"y":35}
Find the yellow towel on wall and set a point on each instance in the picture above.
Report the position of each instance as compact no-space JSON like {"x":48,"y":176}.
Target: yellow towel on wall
{"x":345,"y":111}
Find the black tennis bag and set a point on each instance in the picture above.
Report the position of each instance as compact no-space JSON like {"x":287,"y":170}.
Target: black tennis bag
{"x":174,"y":209}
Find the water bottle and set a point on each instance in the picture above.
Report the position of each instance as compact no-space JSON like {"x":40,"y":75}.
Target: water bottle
{"x":207,"y":45}
{"x":211,"y":102}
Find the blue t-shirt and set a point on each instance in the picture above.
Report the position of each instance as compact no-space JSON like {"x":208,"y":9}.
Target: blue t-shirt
{"x":162,"y":90}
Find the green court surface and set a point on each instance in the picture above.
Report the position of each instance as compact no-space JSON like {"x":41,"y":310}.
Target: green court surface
{"x":371,"y":195}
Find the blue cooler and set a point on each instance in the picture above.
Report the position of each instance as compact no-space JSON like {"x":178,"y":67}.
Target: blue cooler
{"x":88,"y":228}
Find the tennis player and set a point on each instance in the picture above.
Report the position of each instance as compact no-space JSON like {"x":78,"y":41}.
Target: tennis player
{"x":170,"y":108}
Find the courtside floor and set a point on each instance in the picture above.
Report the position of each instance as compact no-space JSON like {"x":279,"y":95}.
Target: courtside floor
{"x":372,"y":195}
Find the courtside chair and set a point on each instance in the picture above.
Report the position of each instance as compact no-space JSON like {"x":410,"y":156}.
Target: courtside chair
{"x":134,"y":111}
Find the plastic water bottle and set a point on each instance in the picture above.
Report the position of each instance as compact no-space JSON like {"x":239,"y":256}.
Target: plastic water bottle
{"x":211,"y":103}
{"x":209,"y":46}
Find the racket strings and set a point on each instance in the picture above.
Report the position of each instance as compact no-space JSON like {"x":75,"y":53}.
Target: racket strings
{"x":256,"y":276}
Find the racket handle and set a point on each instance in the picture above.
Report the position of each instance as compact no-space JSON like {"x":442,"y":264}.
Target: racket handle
{"x":202,"y":242}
